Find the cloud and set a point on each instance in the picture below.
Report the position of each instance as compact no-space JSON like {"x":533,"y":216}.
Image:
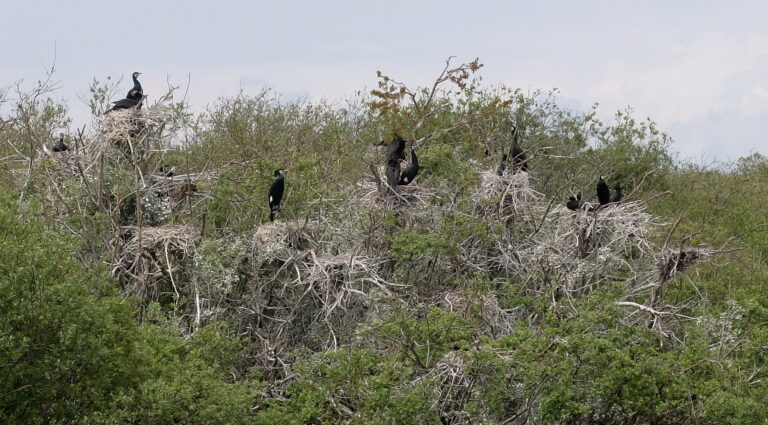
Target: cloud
{"x":724,"y":135}
{"x":709,"y":92}
{"x":747,"y":91}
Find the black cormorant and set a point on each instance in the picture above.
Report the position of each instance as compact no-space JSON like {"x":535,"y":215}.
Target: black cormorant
{"x":276,"y":193}
{"x":616,"y":195}
{"x":136,"y":92}
{"x":603,"y":193}
{"x":59,"y":146}
{"x":395,"y":154}
{"x":134,"y":97}
{"x":410,"y":173}
{"x":574,"y":204}
{"x":520,"y":158}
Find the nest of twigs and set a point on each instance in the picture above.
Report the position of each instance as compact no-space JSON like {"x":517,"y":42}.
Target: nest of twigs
{"x":278,"y":241}
{"x":500,"y":196}
{"x":339,"y":280}
{"x":151,"y":256}
{"x":454,"y":387}
{"x":494,"y":319}
{"x":124,"y":124}
{"x":310,"y":299}
{"x":575,"y":249}
{"x":672,"y":262}
{"x":369,"y":194}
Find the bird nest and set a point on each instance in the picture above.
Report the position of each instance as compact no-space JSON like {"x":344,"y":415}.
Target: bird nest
{"x":493,"y":318}
{"x":369,"y":194}
{"x":313,"y":298}
{"x":337,"y":281}
{"x":152,"y":255}
{"x":279,"y":240}
{"x":127,"y":124}
{"x":671,"y":262}
{"x":454,"y":385}
{"x":66,"y":162}
{"x":500,"y":196}
{"x":618,"y":227}
{"x":579,"y":249}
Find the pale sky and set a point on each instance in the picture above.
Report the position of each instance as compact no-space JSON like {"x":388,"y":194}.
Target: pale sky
{"x":698,"y":68}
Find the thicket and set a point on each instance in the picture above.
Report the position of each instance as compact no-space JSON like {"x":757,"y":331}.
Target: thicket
{"x":134,"y":296}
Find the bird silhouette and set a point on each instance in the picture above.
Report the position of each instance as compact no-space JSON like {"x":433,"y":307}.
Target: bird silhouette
{"x":276,"y":193}
{"x":603,"y":193}
{"x":616,"y":195}
{"x":519,"y":158}
{"x":132,"y":99}
{"x":574,"y":203}
{"x":410,"y":173}
{"x":59,"y":146}
{"x":395,"y":154}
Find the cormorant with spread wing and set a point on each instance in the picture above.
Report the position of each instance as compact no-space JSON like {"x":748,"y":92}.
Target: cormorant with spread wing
{"x":133,"y":98}
{"x":276,"y":193}
{"x":410,"y":173}
{"x":603,"y":193}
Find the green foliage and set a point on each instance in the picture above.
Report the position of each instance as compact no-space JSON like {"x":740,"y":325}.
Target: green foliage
{"x":72,"y":350}
{"x":184,"y":382}
{"x":354,"y":387}
{"x":406,"y":245}
{"x":422,"y":339}
{"x":67,"y":340}
{"x":256,"y":135}
{"x":435,"y":338}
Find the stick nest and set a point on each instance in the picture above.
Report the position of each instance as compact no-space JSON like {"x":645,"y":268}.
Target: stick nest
{"x":152,"y":255}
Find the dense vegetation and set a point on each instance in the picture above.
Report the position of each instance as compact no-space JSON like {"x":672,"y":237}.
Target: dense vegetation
{"x":129,"y":297}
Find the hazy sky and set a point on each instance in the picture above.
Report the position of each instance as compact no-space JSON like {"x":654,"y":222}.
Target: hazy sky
{"x":698,"y":68}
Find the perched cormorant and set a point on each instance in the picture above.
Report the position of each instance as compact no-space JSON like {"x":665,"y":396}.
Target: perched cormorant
{"x":574,"y":204}
{"x":518,"y":156}
{"x":276,"y":193}
{"x":410,"y":173}
{"x":60,"y":146}
{"x":616,"y":195}
{"x":134,"y":97}
{"x":603,"y":193}
{"x":395,"y":154}
{"x":136,"y":92}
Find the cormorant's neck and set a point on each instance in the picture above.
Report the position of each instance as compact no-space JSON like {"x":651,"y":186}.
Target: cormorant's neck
{"x":136,"y":83}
